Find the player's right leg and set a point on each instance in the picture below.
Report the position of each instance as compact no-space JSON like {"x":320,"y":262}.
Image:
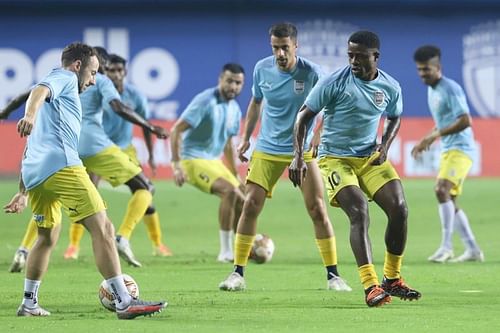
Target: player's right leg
{"x":263,"y":173}
{"x":47,"y":214}
{"x":83,"y":203}
{"x":312,"y":191}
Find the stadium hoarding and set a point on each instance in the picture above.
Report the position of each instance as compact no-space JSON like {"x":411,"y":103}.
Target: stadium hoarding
{"x":486,"y":163}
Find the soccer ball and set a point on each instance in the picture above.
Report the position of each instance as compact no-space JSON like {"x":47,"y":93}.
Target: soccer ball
{"x":262,"y":249}
{"x":106,"y":295}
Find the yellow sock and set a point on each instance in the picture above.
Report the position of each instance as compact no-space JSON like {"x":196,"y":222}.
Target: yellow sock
{"x":242,"y":246}
{"x":30,"y":236}
{"x":368,"y":275}
{"x":328,"y":250}
{"x":392,"y":265}
{"x":75,"y":234}
{"x":152,"y":222}
{"x":137,"y":205}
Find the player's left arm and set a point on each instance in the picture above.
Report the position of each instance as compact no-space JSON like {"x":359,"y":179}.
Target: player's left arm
{"x":149,"y":145}
{"x":391,"y":129}
{"x":130,"y":115}
{"x":230,"y":155}
{"x":298,"y":168}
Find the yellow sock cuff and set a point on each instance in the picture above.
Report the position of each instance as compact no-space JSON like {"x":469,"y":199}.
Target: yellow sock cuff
{"x":137,"y":205}
{"x":328,"y":250}
{"x":75,"y":234}
{"x":392,"y":265}
{"x":368,"y":275}
{"x":30,"y":235}
{"x":242,"y":247}
{"x":152,"y":222}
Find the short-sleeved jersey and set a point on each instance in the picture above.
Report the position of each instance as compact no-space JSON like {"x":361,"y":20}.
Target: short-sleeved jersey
{"x":352,"y":110}
{"x":283,"y":94}
{"x":447,"y":102}
{"x":118,"y":129}
{"x":93,"y":139}
{"x":53,"y":143}
{"x":213,"y":121}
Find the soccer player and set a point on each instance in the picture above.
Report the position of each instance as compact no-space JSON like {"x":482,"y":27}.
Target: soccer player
{"x":119,"y":130}
{"x":101,"y":157}
{"x":280,"y":85}
{"x":205,"y":130}
{"x":450,"y":111}
{"x":354,"y":165}
{"x":52,"y":176}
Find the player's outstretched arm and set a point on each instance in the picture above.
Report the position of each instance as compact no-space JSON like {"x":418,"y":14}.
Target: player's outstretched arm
{"x":35,"y":100}
{"x":298,"y":168}
{"x":127,"y":113}
{"x":253,"y":113}
{"x":425,"y":143}
{"x":175,"y":147}
{"x":14,"y":104}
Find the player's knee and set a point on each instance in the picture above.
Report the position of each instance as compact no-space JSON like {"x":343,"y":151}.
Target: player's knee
{"x":400,"y":211}
{"x":358,"y":214}
{"x":252,"y":206}
{"x":442,"y":194}
{"x":47,"y":240}
{"x":150,"y":210}
{"x":317,"y":211}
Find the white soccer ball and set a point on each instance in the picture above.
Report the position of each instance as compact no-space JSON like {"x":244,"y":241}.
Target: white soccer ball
{"x":262,"y":249}
{"x":106,"y":295}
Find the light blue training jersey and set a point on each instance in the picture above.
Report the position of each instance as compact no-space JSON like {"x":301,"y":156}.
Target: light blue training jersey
{"x":352,"y":111}
{"x":213,"y":121}
{"x":53,"y":142}
{"x":283,"y":94}
{"x":118,"y":129}
{"x":447,"y":102}
{"x":93,"y":139}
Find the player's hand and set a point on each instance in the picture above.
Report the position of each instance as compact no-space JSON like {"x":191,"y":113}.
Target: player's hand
{"x":17,"y":203}
{"x":297,"y":171}
{"x":152,"y":165}
{"x":242,"y":149}
{"x":379,"y":155}
{"x":25,"y":126}
{"x":416,"y":151}
{"x":160,"y":132}
{"x":179,"y":175}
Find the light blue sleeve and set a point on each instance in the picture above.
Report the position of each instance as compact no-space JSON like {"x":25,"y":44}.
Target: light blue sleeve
{"x":194,"y":113}
{"x":57,"y":83}
{"x":256,"y":91}
{"x":395,"y":106}
{"x":321,"y":94}
{"x":107,"y":90}
{"x":235,"y":128}
{"x":457,"y":102}
{"x":142,"y":105}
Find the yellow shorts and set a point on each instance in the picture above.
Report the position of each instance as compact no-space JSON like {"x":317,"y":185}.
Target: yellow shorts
{"x":339,"y":172}
{"x":132,"y":154}
{"x":265,"y":169}
{"x":69,"y":188}
{"x":203,"y":173}
{"x":454,"y":166}
{"x":113,"y":165}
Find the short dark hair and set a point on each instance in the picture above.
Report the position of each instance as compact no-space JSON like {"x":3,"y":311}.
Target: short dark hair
{"x":426,"y":53}
{"x":283,"y":30}
{"x":77,"y":51}
{"x":233,"y":68}
{"x":101,"y":53}
{"x":366,"y":38}
{"x":116,"y":59}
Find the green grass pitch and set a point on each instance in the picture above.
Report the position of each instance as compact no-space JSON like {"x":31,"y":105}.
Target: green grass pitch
{"x":285,"y":295}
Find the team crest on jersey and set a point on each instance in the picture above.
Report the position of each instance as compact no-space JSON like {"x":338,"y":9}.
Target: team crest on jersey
{"x":298,"y":86}
{"x":324,"y":42}
{"x":379,"y":97}
{"x":481,"y":67}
